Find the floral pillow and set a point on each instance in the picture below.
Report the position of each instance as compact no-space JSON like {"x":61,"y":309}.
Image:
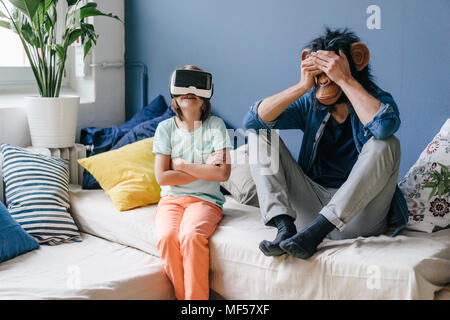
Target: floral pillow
{"x":426,"y":186}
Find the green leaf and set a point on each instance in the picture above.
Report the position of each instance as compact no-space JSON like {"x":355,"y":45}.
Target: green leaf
{"x":73,"y":36}
{"x":87,"y":47}
{"x":71,"y":2}
{"x":444,"y":167}
{"x":48,"y":22}
{"x":28,"y":35}
{"x":441,"y":188}
{"x":5,"y":24}
{"x":429,"y":184}
{"x":28,"y":7}
{"x":91,"y":10}
{"x":2,"y":15}
{"x":48,"y":4}
{"x":432,"y":193}
{"x":89,"y":31}
{"x":435,"y":175}
{"x":60,"y":51}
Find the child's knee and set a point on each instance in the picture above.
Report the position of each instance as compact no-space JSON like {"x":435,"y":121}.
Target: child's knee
{"x":192,"y":238}
{"x":168,"y":238}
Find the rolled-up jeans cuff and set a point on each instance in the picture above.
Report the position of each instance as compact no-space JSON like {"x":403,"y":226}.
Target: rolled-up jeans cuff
{"x":333,"y":218}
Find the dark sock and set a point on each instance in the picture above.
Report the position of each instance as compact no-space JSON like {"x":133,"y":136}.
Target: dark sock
{"x":304,"y":244}
{"x":286,"y":229}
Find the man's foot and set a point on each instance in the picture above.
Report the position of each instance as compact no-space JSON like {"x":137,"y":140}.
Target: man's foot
{"x":286,"y":229}
{"x":304,"y":244}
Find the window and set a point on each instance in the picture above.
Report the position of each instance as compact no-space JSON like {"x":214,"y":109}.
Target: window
{"x":12,"y":53}
{"x":15,"y":70}
{"x":14,"y":65}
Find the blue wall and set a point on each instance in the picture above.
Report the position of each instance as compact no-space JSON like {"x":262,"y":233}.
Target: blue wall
{"x":253,"y":47}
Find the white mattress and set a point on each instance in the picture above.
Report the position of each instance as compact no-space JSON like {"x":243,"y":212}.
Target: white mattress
{"x":410,"y":266}
{"x":94,"y":213}
{"x":92,"y":269}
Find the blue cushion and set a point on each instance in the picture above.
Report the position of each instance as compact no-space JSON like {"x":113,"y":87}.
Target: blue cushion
{"x":143,"y":130}
{"x":103,"y":139}
{"x":37,"y":195}
{"x":14,"y":240}
{"x":156,"y":108}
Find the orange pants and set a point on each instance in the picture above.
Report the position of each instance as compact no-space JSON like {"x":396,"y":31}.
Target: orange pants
{"x":184,"y":225}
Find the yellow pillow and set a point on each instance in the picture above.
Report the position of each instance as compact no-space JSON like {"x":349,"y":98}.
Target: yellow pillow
{"x":127,"y":175}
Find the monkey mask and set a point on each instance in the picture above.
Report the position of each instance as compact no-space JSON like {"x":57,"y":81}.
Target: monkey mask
{"x":327,"y":91}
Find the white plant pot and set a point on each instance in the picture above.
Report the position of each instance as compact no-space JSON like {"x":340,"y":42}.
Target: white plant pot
{"x":52,"y":121}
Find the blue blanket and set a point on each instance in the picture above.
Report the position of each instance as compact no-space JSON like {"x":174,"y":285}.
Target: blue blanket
{"x":143,"y":130}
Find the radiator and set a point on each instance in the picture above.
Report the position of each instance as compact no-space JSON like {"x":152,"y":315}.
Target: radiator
{"x":71,"y":154}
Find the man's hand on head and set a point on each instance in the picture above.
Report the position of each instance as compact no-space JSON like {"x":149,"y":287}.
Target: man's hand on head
{"x":336,"y":67}
{"x":309,"y":70}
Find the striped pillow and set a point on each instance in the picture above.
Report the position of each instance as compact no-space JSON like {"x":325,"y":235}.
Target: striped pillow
{"x":37,"y":195}
{"x":2,"y":191}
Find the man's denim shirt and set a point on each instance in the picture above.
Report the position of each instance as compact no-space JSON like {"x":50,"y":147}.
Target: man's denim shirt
{"x":302,"y":114}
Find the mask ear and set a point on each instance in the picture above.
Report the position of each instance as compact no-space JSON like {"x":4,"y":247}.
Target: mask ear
{"x":305,"y":53}
{"x":360,"y":55}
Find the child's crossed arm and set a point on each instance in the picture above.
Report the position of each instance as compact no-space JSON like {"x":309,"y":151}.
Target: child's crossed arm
{"x":177,"y":171}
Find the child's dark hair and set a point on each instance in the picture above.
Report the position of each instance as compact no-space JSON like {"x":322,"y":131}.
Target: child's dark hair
{"x":206,"y":108}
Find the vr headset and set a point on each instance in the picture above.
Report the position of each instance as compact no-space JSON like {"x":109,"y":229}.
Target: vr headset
{"x":191,"y":81}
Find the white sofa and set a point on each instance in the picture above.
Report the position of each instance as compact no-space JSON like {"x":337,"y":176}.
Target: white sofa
{"x":118,"y":259}
{"x":92,"y":269}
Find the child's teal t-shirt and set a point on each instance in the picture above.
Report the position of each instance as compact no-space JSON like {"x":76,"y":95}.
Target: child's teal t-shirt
{"x":194,"y":147}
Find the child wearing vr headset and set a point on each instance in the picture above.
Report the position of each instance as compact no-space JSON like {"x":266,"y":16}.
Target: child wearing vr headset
{"x":191,"y":151}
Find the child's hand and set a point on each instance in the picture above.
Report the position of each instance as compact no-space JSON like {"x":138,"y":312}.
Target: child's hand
{"x":177,"y":164}
{"x":216,"y":158}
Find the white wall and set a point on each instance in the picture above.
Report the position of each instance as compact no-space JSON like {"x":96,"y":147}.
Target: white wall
{"x":14,"y":127}
{"x":108,"y":107}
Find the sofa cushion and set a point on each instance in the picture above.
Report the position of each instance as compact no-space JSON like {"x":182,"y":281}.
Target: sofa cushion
{"x":95,"y":214}
{"x":413,"y":265}
{"x":156,"y":108}
{"x":143,"y":130}
{"x":427,"y":194}
{"x":240,"y":183}
{"x":2,"y":186}
{"x":127,"y":175}
{"x":14,"y":241}
{"x":37,"y":195}
{"x":92,"y":269}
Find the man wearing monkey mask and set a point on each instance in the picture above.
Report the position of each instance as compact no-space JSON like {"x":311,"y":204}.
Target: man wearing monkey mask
{"x":344,"y":184}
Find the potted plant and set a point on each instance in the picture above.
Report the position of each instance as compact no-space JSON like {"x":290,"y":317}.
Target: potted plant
{"x":52,"y":119}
